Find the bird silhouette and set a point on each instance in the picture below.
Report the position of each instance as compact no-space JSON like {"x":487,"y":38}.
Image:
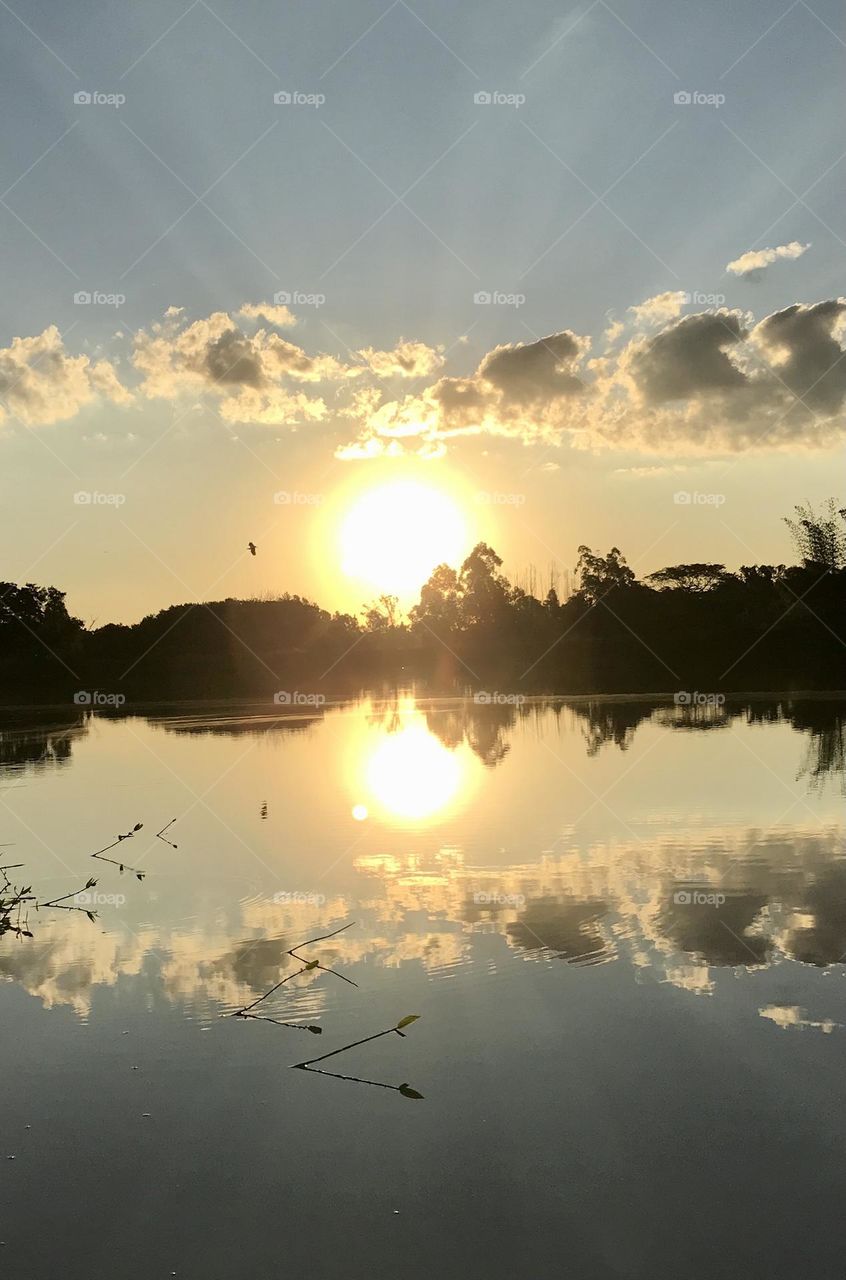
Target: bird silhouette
{"x":251,"y":547}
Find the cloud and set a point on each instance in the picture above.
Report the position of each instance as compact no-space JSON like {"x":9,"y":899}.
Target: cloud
{"x":250,"y":374}
{"x":804,"y":344}
{"x":660,"y":309}
{"x":41,"y":384}
{"x":755,"y":261}
{"x":272,"y":313}
{"x":407,"y":360}
{"x":708,"y":383}
{"x":542,"y":370}
{"x":690,"y":358}
{"x":790,"y":1015}
{"x":647,"y":473}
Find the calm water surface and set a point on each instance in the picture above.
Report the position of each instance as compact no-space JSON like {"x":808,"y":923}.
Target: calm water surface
{"x":623,"y":928}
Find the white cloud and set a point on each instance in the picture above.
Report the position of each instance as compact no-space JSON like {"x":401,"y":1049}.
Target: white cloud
{"x":272,"y":313}
{"x":755,"y":261}
{"x":250,"y":374}
{"x":705,"y":383}
{"x":660,"y":309}
{"x":41,"y":383}
{"x":711,"y":382}
{"x":407,"y":360}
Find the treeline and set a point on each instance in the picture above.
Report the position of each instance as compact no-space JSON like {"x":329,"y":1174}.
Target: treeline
{"x":686,"y":627}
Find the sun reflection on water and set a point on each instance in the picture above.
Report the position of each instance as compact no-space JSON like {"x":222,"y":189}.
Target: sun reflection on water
{"x":407,"y":773}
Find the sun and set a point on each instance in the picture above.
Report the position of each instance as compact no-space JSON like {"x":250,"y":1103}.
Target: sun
{"x":395,"y":535}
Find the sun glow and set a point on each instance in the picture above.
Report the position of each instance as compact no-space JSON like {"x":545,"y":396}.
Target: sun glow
{"x":395,"y":535}
{"x":411,"y":774}
{"x":399,"y":770}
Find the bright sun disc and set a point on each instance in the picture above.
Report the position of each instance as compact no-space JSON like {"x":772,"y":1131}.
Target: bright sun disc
{"x":396,"y":535}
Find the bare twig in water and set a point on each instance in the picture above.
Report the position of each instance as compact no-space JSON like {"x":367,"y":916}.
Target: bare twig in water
{"x":122,"y":866}
{"x":405,"y":1089}
{"x":263,"y":1017}
{"x":322,"y":938}
{"x":14,"y":908}
{"x":308,"y":966}
{"x":160,"y":835}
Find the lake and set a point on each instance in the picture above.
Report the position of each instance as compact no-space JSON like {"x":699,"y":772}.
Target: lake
{"x":621,"y":925}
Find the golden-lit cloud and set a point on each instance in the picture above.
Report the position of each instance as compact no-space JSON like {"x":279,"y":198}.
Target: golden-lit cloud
{"x":42,"y":384}
{"x":271,"y":312}
{"x":407,"y":360}
{"x":703,"y":383}
{"x":755,"y":261}
{"x":660,"y":309}
{"x":709,"y":382}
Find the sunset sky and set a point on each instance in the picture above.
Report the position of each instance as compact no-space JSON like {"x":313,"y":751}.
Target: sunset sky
{"x":369,"y":282}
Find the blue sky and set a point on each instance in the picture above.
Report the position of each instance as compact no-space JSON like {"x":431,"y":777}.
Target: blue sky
{"x":397,"y":200}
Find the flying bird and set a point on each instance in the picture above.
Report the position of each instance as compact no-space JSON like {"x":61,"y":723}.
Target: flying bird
{"x":251,"y":547}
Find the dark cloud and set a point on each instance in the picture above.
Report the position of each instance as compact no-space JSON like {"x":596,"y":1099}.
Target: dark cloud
{"x":542,"y":370}
{"x":812,"y":363}
{"x":232,"y":359}
{"x":689,"y":359}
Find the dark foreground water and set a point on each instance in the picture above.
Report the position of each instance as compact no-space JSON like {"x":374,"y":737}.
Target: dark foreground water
{"x":622,"y":927}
